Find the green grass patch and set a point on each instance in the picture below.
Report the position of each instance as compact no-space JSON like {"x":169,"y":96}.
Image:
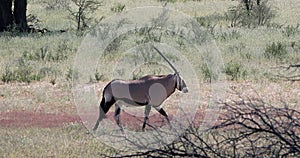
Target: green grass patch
{"x":277,"y":50}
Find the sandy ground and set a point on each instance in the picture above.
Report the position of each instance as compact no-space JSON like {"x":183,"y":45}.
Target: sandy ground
{"x":46,"y":106}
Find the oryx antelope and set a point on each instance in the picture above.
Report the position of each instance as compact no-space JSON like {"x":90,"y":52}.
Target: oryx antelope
{"x":149,"y":91}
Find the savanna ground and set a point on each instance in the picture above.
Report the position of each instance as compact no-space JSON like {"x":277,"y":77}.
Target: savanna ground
{"x":38,"y":117}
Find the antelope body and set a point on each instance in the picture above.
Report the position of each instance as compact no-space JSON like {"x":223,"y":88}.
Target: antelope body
{"x":149,"y":91}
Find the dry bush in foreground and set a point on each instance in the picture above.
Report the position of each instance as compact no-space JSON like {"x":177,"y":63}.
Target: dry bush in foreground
{"x":288,"y":73}
{"x":248,"y":127}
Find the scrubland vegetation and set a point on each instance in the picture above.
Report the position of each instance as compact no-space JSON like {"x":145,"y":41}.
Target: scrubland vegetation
{"x":260,"y":47}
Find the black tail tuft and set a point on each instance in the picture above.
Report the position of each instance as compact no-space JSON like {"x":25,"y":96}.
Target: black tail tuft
{"x":105,"y":105}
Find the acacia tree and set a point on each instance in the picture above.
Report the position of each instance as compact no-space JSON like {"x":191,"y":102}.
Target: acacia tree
{"x":84,"y":9}
{"x":16,"y":17}
{"x":250,"y":13}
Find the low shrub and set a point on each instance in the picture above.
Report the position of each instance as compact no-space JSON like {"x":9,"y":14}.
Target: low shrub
{"x":208,"y":74}
{"x":72,"y":74}
{"x":118,"y":8}
{"x":290,"y":30}
{"x":250,"y":14}
{"x":235,"y":71}
{"x":276,"y":50}
{"x":21,"y":71}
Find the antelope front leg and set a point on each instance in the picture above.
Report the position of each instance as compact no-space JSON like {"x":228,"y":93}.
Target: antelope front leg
{"x":162,"y":112}
{"x":147,"y":111}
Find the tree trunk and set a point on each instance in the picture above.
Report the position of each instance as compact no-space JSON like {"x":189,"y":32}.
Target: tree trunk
{"x":20,"y":14}
{"x":6,"y":16}
{"x":17,"y":17}
{"x":258,"y":2}
{"x":247,"y":4}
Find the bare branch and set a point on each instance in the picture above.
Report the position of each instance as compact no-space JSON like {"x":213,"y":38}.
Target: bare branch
{"x":288,"y":73}
{"x":247,"y":127}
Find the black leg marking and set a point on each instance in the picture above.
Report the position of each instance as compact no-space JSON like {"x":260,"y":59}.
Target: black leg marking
{"x":147,"y":111}
{"x":162,"y":112}
{"x":103,"y":109}
{"x":117,"y":118}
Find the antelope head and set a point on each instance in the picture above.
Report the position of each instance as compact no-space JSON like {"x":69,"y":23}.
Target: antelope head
{"x":180,"y":84}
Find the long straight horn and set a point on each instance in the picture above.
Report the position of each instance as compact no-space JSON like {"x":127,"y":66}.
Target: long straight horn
{"x":166,"y":59}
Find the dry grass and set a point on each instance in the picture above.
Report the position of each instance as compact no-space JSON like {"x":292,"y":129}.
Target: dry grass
{"x":71,"y":140}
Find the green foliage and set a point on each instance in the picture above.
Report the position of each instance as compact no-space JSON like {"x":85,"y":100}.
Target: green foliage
{"x":99,"y":77}
{"x":62,"y":52}
{"x":149,"y":68}
{"x":232,"y":34}
{"x":115,"y":44}
{"x":249,"y":13}
{"x":203,"y":21}
{"x":48,"y":72}
{"x":237,"y":48}
{"x":136,"y":75}
{"x":72,"y":75}
{"x":20,"y":72}
{"x":295,"y":45}
{"x":235,"y":71}
{"x":56,"y":4}
{"x":118,"y":8}
{"x":276,"y":50}
{"x":148,"y":34}
{"x":45,"y":54}
{"x":7,"y":75}
{"x":290,"y":30}
{"x":82,"y":15}
{"x":206,"y":23}
{"x":42,"y":54}
{"x":210,"y":22}
{"x":37,"y":63}
{"x":208,"y":73}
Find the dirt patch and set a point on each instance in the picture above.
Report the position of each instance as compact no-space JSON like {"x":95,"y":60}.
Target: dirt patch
{"x":35,"y":119}
{"x":48,"y":120}
{"x":19,"y":119}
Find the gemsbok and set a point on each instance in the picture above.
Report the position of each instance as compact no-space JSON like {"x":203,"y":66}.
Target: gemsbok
{"x":149,"y":91}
